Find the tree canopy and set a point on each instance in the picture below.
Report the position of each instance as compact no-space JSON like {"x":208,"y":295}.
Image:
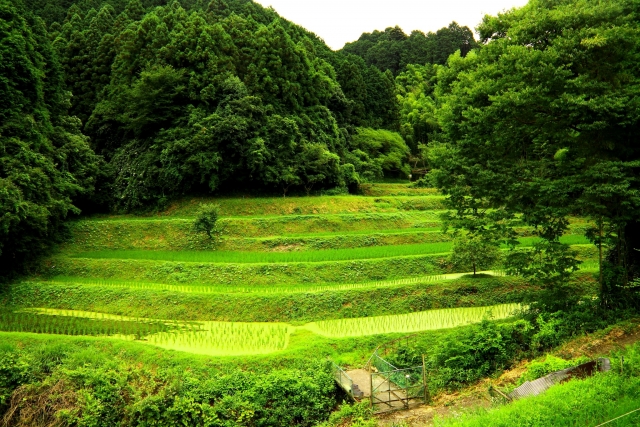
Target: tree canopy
{"x":45,"y":162}
{"x":393,"y":50}
{"x":186,"y":98}
{"x":542,"y":121}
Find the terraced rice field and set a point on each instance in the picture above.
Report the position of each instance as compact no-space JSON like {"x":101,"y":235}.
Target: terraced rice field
{"x":289,"y":257}
{"x":323,"y":253}
{"x":414,"y":322}
{"x":203,"y":289}
{"x":233,"y":338}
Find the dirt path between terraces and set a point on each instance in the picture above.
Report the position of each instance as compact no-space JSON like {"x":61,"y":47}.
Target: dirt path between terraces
{"x":476,"y":396}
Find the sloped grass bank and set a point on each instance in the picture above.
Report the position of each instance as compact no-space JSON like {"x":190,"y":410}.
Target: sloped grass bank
{"x":297,"y":256}
{"x":177,"y":234}
{"x":395,"y":189}
{"x":263,"y":234}
{"x":276,"y":307}
{"x":315,"y":205}
{"x":587,"y":402}
{"x":246,"y":274}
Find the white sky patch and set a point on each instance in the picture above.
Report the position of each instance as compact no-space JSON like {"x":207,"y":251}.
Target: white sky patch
{"x":342,"y":21}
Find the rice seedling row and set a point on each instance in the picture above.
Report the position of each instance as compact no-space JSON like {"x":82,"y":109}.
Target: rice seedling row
{"x":220,"y":338}
{"x":414,"y":322}
{"x":210,"y":338}
{"x":261,"y":289}
{"x":414,"y":229}
{"x":293,"y":257}
{"x":229,"y":257}
{"x":43,"y":323}
{"x":227,"y":338}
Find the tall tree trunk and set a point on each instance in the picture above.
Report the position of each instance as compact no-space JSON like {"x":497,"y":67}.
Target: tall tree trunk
{"x":600,"y":223}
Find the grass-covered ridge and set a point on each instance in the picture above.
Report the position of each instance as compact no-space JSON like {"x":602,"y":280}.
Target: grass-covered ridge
{"x":585,"y":402}
{"x":319,"y":205}
{"x":293,"y":257}
{"x":284,"y":285}
{"x":299,"y":304}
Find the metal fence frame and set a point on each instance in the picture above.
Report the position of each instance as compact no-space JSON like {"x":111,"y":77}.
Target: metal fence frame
{"x":342,"y":378}
{"x":404,"y":387}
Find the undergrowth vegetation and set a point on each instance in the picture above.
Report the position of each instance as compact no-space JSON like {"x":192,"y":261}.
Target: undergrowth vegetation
{"x":587,"y":402}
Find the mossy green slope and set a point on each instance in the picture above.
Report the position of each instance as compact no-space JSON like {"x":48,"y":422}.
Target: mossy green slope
{"x":299,"y":259}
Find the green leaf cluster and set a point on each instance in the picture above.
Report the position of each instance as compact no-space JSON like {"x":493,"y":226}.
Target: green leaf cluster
{"x":207,"y":219}
{"x":540,"y":121}
{"x":121,"y":392}
{"x":471,"y":253}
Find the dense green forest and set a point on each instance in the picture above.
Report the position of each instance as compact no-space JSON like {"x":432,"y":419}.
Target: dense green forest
{"x":393,"y":50}
{"x":126,"y":105}
{"x":134,"y":103}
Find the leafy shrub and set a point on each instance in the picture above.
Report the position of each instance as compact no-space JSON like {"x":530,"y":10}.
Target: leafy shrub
{"x":357,"y":415}
{"x":423,"y":182}
{"x":585,"y":316}
{"x":474,"y":254}
{"x":378,"y":153}
{"x":469,"y":354}
{"x":14,"y":371}
{"x":207,"y":219}
{"x":538,"y":369}
{"x":116,"y":392}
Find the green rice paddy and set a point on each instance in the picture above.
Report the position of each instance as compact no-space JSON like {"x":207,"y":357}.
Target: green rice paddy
{"x":229,"y":257}
{"x":413,"y":322}
{"x":225,"y":339}
{"x":260,"y":289}
{"x":234,"y":338}
{"x":275,"y":246}
{"x":98,"y":324}
{"x":293,"y":257}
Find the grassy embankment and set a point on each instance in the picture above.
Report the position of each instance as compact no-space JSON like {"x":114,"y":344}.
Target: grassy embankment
{"x":587,"y":402}
{"x":148,"y":265}
{"x":308,"y":263}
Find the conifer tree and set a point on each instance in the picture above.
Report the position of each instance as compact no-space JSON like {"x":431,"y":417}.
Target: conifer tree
{"x":44,"y":160}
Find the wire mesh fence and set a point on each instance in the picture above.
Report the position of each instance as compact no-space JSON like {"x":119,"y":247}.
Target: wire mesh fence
{"x":341,"y":377}
{"x":393,"y":388}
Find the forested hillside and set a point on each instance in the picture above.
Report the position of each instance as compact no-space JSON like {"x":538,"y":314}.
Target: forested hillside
{"x":45,"y":160}
{"x":392,"y":49}
{"x":182,"y":100}
{"x":148,"y":101}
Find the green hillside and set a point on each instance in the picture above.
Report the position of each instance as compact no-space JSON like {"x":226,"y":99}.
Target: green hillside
{"x":209,"y":218}
{"x":309,"y":278}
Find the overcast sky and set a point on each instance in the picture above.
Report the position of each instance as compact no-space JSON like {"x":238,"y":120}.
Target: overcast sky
{"x":342,"y":21}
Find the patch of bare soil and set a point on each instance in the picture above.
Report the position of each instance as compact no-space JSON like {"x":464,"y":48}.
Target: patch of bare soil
{"x":444,"y":405}
{"x":599,"y":344}
{"x":477,"y":396}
